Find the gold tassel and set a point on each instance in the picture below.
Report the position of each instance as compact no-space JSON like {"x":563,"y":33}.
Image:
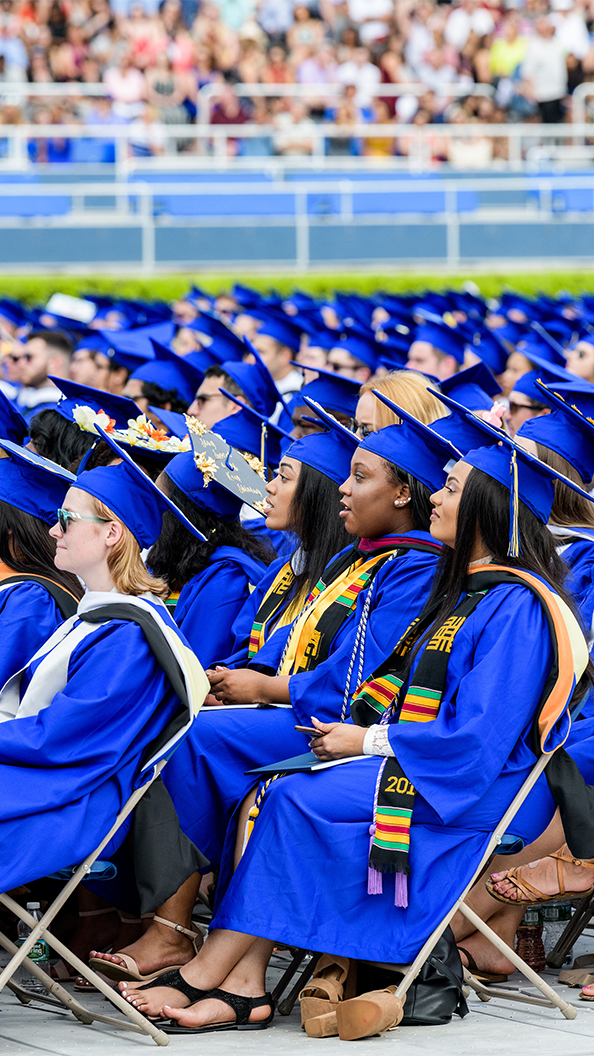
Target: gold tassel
{"x":249,"y":826}
{"x":263,"y":452}
{"x":514,"y":549}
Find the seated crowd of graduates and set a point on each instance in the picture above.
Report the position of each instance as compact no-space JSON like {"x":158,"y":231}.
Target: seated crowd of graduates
{"x":367,"y":530}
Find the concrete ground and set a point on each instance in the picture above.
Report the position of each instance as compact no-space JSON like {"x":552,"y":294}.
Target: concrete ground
{"x":498,"y":1028}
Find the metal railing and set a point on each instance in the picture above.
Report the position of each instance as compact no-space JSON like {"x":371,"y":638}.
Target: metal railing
{"x":420,"y":143}
{"x":138,"y":204}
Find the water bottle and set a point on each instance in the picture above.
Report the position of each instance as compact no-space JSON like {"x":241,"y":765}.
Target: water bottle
{"x":529,"y":940}
{"x":39,"y":953}
{"x":555,"y":920}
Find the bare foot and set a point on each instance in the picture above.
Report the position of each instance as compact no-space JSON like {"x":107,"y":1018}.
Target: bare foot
{"x":152,"y":1000}
{"x":211,"y":1011}
{"x":159,"y":947}
{"x":587,"y":992}
{"x":542,"y":875}
{"x":486,"y":957}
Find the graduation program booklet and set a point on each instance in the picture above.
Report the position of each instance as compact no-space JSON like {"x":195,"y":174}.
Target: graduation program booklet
{"x":302,"y":764}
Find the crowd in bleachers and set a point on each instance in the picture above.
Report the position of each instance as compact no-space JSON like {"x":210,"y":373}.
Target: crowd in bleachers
{"x":154,"y":58}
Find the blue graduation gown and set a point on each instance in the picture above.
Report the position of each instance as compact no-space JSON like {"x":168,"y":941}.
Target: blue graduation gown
{"x":303,"y":878}
{"x":206,"y":777}
{"x":28,"y":617}
{"x":66,"y":771}
{"x":579,"y":555}
{"x":244,"y":621}
{"x":210,"y":602}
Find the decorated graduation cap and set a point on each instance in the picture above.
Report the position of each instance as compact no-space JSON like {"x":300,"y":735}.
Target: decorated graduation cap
{"x":255,"y":381}
{"x":174,"y":423}
{"x":412,"y":446}
{"x":444,"y":338}
{"x":184,"y":473}
{"x":31,"y":483}
{"x":474,"y":387}
{"x":117,"y":408}
{"x":170,"y":371}
{"x":333,"y":391}
{"x":579,"y":394}
{"x":329,"y":452}
{"x":247,"y":430}
{"x":218,"y":461}
{"x":12,"y":424}
{"x":131,"y":495}
{"x":526,"y":477}
{"x":566,"y":431}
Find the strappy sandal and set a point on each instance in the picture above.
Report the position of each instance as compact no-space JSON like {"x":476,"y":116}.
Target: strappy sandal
{"x":477,"y":973}
{"x":129,"y":971}
{"x":242,"y":1006}
{"x":578,"y":975}
{"x":360,"y":1017}
{"x":535,"y":897}
{"x":325,"y":990}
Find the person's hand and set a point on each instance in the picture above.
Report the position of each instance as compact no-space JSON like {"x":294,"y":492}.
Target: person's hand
{"x":236,"y":687}
{"x":338,"y":741}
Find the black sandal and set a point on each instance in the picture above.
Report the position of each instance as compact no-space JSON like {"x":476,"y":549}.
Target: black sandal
{"x":242,"y":1006}
{"x":175,"y":980}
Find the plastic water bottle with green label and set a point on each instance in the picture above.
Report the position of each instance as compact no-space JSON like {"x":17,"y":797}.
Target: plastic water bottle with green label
{"x":39,"y":953}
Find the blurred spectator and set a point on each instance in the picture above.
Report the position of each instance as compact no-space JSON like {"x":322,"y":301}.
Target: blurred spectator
{"x":127,"y":87}
{"x":361,"y":72}
{"x":380,"y":146}
{"x":545,"y":71}
{"x":147,"y":134}
{"x":306,"y":31}
{"x":229,"y":110}
{"x":258,"y":146}
{"x":508,"y":51}
{"x":166,"y":91}
{"x":343,"y":146}
{"x":294,"y":120}
{"x":277,"y":69}
{"x":373,"y":17}
{"x":466,"y":18}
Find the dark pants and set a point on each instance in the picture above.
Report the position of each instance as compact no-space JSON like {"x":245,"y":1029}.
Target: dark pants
{"x":552,"y":112}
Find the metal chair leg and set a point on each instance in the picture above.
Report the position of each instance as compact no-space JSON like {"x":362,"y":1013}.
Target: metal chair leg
{"x":580,"y":920}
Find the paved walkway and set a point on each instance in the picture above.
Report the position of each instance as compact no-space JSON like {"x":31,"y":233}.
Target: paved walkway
{"x":498,"y":1028}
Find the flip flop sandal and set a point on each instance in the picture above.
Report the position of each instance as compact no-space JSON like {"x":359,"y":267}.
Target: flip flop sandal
{"x":577,"y":975}
{"x":325,"y":990}
{"x":242,"y":1006}
{"x":176,"y":981}
{"x":535,"y":897}
{"x":369,"y":1014}
{"x":482,"y":977}
{"x":129,"y":971}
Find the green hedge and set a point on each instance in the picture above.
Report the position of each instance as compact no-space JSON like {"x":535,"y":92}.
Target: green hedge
{"x":35,"y":289}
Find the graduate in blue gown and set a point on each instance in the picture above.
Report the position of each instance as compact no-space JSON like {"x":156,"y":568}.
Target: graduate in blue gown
{"x":76,"y":720}
{"x":35,"y":597}
{"x":213,"y":578}
{"x":386,"y":575}
{"x":308,"y":876}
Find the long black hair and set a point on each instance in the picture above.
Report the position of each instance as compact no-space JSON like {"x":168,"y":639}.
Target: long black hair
{"x":314,"y":517}
{"x":55,"y":437}
{"x":27,"y":547}
{"x":484,"y":512}
{"x":104,"y":455}
{"x":420,"y":501}
{"x":178,"y":555}
{"x":159,"y":397}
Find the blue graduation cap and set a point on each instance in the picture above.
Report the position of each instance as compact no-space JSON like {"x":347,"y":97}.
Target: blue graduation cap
{"x":333,"y":391}
{"x":328,"y":452}
{"x":170,"y":371}
{"x":255,"y":381}
{"x":526,"y":477}
{"x":247,"y":297}
{"x":174,"y":423}
{"x":12,"y":424}
{"x":446,"y":339}
{"x":360,"y":343}
{"x":511,"y":332}
{"x":130,"y":348}
{"x":526,"y":384}
{"x":511,"y":301}
{"x":277,"y":324}
{"x":13,"y":312}
{"x":226,"y":345}
{"x":184,"y":473}
{"x":488,"y":345}
{"x":533,"y":344}
{"x":31,"y":483}
{"x":474,"y":387}
{"x":567,"y":432}
{"x":247,"y":430}
{"x":118,"y":408}
{"x":546,"y":368}
{"x":416,"y":448}
{"x":131,"y":495}
{"x":579,"y":394}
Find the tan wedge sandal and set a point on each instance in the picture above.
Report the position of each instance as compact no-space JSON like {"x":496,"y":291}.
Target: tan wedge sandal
{"x":530,"y":895}
{"x":129,"y":971}
{"x":359,"y":1017}
{"x":325,"y":990}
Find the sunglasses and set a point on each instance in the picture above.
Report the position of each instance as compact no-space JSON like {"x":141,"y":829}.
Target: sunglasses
{"x":363,"y":430}
{"x":64,"y":516}
{"x":27,"y":356}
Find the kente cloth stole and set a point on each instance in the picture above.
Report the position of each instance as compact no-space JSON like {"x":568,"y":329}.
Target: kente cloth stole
{"x":334,"y":599}
{"x":394,"y":799}
{"x":269,"y":606}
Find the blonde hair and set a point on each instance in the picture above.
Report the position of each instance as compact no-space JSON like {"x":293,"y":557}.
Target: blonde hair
{"x":126,"y":567}
{"x":411,"y":391}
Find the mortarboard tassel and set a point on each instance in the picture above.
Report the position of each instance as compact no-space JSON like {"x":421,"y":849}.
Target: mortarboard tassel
{"x":374,"y":877}
{"x":263,"y":451}
{"x":514,"y":549}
